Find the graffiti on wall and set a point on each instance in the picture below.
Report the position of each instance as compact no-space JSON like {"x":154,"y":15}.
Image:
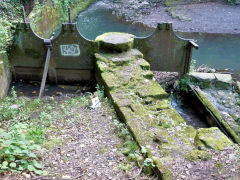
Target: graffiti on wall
{"x":70,"y":50}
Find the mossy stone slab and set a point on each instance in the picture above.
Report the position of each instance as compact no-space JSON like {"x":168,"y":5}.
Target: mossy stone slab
{"x":114,"y":41}
{"x":211,"y":138}
{"x":223,"y":81}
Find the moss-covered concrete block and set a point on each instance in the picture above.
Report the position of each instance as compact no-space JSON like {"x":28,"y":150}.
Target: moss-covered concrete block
{"x":143,"y":64}
{"x":205,"y":79}
{"x":198,"y":154}
{"x":142,"y":104}
{"x":200,"y":95}
{"x":170,"y":118}
{"x":114,"y":41}
{"x":111,"y":80}
{"x":223,"y":81}
{"x":150,"y":89}
{"x":211,"y":138}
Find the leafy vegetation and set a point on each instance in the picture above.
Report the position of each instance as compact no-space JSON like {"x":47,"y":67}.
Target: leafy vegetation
{"x":132,"y":151}
{"x":19,"y":150}
{"x":9,"y":15}
{"x":24,"y":123}
{"x":47,"y":16}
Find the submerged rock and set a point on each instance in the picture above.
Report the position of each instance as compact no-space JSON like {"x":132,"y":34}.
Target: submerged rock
{"x":211,"y":138}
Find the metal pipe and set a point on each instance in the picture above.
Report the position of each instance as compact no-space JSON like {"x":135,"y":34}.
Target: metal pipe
{"x":23,"y":14}
{"x":44,"y":77}
{"x":69,"y":15}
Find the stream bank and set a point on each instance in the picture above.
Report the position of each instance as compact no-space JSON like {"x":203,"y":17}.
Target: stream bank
{"x":207,"y":17}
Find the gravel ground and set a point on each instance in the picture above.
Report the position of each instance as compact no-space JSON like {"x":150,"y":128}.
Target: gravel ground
{"x":91,"y":148}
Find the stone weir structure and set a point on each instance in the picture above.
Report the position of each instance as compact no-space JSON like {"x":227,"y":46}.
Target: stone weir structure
{"x":128,"y":81}
{"x":71,"y":55}
{"x":143,"y":105}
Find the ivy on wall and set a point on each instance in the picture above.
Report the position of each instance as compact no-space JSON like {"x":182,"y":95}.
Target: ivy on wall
{"x":47,"y":16}
{"x":9,"y":15}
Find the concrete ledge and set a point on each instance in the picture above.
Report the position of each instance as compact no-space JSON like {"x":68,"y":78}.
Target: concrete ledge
{"x":206,"y":80}
{"x":214,"y":112}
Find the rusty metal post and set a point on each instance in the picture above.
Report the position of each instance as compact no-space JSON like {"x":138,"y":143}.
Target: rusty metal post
{"x":23,"y":14}
{"x":189,"y":49}
{"x":69,"y":15}
{"x":48,"y":44}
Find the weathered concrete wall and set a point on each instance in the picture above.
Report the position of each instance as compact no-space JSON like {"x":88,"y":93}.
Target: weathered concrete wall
{"x":71,"y":55}
{"x":165,"y":51}
{"x":5,"y":77}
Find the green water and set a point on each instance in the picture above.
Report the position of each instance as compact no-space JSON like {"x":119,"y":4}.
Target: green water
{"x":94,"y":22}
{"x":218,"y":51}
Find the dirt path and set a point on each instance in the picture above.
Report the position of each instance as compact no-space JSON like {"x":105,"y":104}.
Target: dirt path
{"x":91,"y":147}
{"x":211,"y":17}
{"x":80,"y":142}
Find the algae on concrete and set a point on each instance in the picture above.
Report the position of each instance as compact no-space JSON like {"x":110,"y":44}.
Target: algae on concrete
{"x":211,"y":138}
{"x":114,"y":41}
{"x":143,"y":105}
{"x":216,"y":114}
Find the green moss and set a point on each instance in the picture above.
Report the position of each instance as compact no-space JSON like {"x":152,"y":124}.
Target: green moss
{"x":150,"y":89}
{"x":170,"y":117}
{"x":164,"y":173}
{"x":33,"y":53}
{"x":189,"y":131}
{"x":115,"y":41}
{"x":102,"y":150}
{"x":211,"y":138}
{"x":143,"y":64}
{"x":47,"y":18}
{"x":198,"y":154}
{"x":111,"y":80}
{"x":159,"y":104}
{"x":216,"y":114}
{"x":148,"y":74}
{"x":238,"y":103}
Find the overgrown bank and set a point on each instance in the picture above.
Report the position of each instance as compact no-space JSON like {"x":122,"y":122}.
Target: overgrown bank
{"x":46,"y":17}
{"x":9,"y":16}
